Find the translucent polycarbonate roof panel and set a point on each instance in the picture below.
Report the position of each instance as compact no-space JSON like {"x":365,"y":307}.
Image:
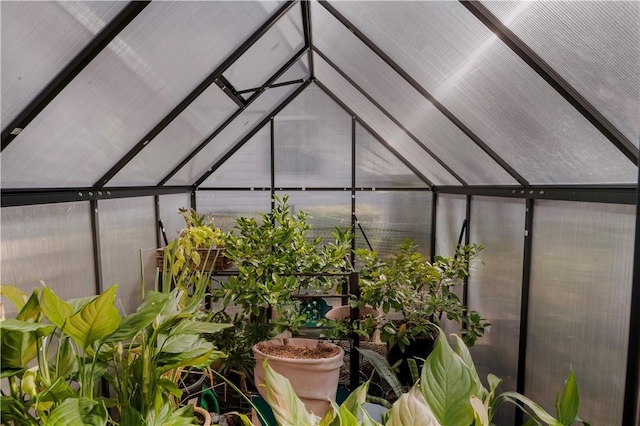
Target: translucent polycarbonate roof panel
{"x":127,"y":89}
{"x":593,"y":45}
{"x":177,"y":140}
{"x":39,"y":39}
{"x":269,"y":53}
{"x":377,"y":167}
{"x":313,"y":142}
{"x":240,"y":127}
{"x":492,"y":91}
{"x":249,"y":167}
{"x":403,"y":102}
{"x":227,"y":206}
{"x":382,"y":125}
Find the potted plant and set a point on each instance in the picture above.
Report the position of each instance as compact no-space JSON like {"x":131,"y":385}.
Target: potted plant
{"x":277,"y":263}
{"x":415,"y":295}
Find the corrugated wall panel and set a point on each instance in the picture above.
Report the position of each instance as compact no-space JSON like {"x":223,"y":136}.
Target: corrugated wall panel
{"x":172,"y":220}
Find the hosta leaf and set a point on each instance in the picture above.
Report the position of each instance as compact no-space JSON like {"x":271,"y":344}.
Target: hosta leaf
{"x":94,"y":321}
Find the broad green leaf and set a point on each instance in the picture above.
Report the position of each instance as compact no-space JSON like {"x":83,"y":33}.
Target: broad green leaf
{"x":367,"y":420}
{"x":287,"y":407}
{"x":384,"y":369}
{"x":447,"y":384}
{"x":463,"y":352}
{"x":55,"y":309}
{"x":94,"y":321}
{"x":568,"y":404}
{"x":198,"y":327}
{"x":354,"y":401}
{"x":535,"y":408}
{"x":346,"y":417}
{"x":18,"y":345}
{"x":182,"y":343}
{"x":411,"y":409}
{"x":17,"y":296}
{"x":30,"y":312}
{"x":78,"y":411}
{"x":81,"y":302}
{"x":9,"y":372}
{"x":66,"y":362}
{"x":494,"y":382}
{"x":142,"y":318}
{"x":480,"y":412}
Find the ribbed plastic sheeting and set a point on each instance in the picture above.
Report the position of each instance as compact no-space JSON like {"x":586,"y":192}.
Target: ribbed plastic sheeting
{"x":592,"y":45}
{"x":388,"y":218}
{"x":313,"y":142}
{"x":377,"y":167}
{"x":382,"y":125}
{"x":268,"y":54}
{"x":261,"y":108}
{"x":198,"y":121}
{"x":127,"y":225}
{"x":171,"y":219}
{"x":39,"y":39}
{"x":126,"y":90}
{"x":495,"y":288}
{"x":250,"y":167}
{"x":472,"y":73}
{"x":404,"y":103}
{"x":227,"y":206}
{"x":579,"y":304}
{"x":49,"y":242}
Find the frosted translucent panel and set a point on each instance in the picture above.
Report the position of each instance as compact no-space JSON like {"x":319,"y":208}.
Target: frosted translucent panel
{"x":378,"y":167}
{"x":172,"y":220}
{"x":39,"y":39}
{"x":581,"y":276}
{"x":128,"y":225}
{"x":239,"y":128}
{"x":49,"y":242}
{"x":495,"y":289}
{"x":404,"y":103}
{"x":593,"y":45}
{"x":313,"y":142}
{"x":492,"y":91}
{"x":249,"y":167}
{"x":381,"y":124}
{"x":177,"y":140}
{"x":269,"y":53}
{"x":126,"y":90}
{"x":326,"y":209}
{"x":390,"y":217}
{"x":227,"y":206}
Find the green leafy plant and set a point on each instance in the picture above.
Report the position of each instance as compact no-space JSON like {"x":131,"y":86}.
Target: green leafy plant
{"x":420,"y":291}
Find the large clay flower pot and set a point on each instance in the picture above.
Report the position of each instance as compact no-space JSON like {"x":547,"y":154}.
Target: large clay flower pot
{"x":344,"y":313}
{"x":315,"y":381}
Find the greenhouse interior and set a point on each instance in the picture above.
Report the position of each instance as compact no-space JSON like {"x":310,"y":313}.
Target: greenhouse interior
{"x":500,"y":137}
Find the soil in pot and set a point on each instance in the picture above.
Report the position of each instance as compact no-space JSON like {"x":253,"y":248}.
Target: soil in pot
{"x":419,"y":348}
{"x":298,"y":352}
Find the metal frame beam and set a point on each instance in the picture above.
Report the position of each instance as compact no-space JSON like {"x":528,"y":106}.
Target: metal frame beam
{"x":375,"y":134}
{"x":220,"y":128}
{"x":389,"y":116}
{"x":204,"y":85}
{"x":400,"y":71}
{"x":249,"y":135}
{"x":554,"y":79}
{"x":31,"y":196}
{"x":73,"y":68}
{"x":308,"y":35}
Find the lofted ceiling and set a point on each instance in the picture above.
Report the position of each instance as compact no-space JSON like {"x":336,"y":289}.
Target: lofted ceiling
{"x":101,"y":95}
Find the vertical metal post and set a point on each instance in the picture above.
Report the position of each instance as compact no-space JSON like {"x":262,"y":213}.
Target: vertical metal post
{"x":95,"y":233}
{"x":524,"y":303}
{"x":273,"y":163}
{"x":354,"y":365}
{"x":434,"y":212}
{"x":193,"y":199}
{"x":467,"y":240}
{"x":353,"y":190}
{"x":156,"y":205}
{"x":631,"y":410}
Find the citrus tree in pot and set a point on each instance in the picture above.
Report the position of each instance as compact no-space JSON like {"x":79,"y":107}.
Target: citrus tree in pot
{"x":416,"y":295}
{"x":278,"y":261}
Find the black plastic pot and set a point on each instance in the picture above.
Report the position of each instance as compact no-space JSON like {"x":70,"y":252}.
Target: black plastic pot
{"x":419,"y":348}
{"x":193,"y":390}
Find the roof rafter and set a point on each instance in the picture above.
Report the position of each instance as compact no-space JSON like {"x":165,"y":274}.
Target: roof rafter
{"x":308,"y":35}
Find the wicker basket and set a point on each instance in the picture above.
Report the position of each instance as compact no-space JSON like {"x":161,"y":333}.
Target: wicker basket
{"x":216,"y":260}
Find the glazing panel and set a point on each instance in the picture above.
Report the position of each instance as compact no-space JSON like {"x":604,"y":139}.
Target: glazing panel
{"x":382,"y":125}
{"x":177,"y":140}
{"x":313,"y":142}
{"x":48,"y":242}
{"x":581,"y":277}
{"x":269,"y":53}
{"x":227,"y":206}
{"x":39,"y":39}
{"x":126,"y":90}
{"x":451,"y":212}
{"x":388,"y":218}
{"x":377,"y":167}
{"x":127,"y":227}
{"x":172,"y":220}
{"x":239,"y":128}
{"x":592,"y":45}
{"x":249,"y":167}
{"x":326,"y":209}
{"x":403,"y":102}
{"x":495,"y":287}
{"x":492,"y":91}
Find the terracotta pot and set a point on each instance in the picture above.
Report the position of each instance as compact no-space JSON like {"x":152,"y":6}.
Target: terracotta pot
{"x":204,"y":415}
{"x":315,"y":381}
{"x":344,"y":312}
